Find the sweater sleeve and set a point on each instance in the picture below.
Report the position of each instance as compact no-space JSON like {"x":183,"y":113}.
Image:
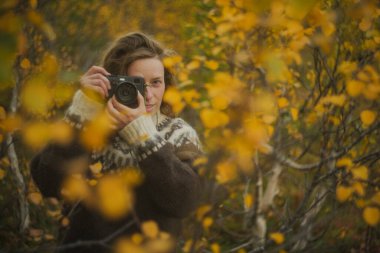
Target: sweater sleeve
{"x":170,"y":176}
{"x":51,"y":165}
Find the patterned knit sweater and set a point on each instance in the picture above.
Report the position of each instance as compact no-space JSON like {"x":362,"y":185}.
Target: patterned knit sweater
{"x":162,"y":148}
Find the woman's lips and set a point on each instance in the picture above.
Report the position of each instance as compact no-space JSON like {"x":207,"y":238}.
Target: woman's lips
{"x":149,"y":108}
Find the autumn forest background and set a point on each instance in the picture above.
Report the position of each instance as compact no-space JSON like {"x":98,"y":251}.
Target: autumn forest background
{"x":284,"y":95}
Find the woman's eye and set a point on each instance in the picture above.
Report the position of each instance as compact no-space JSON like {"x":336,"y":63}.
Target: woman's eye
{"x":156,"y":83}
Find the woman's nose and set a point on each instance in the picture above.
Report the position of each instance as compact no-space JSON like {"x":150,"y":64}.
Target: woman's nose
{"x":148,"y":93}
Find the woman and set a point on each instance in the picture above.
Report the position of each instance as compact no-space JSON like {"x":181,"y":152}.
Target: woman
{"x":163,"y":148}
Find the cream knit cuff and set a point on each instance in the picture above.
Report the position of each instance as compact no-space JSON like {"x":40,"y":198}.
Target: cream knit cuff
{"x":84,"y":107}
{"x":139,"y":130}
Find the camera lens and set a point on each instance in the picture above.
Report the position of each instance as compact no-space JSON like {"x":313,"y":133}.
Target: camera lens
{"x":126,"y":93}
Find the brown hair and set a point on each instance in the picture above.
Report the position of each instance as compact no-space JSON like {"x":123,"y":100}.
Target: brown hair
{"x":135,"y":46}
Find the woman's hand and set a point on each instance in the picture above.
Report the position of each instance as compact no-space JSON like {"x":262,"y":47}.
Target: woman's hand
{"x":94,"y":80}
{"x":121,"y":115}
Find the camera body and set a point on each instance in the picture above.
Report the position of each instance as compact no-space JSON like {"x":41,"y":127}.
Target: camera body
{"x":125,"y":89}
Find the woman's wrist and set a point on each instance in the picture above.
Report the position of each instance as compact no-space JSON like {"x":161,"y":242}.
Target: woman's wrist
{"x":139,"y":130}
{"x":83,"y":108}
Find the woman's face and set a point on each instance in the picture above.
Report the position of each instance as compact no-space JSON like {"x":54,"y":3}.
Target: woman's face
{"x":152,"y":70}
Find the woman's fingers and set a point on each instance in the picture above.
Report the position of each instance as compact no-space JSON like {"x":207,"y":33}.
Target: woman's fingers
{"x":97,"y":69}
{"x":100,"y":77}
{"x":120,"y":107}
{"x":89,"y":89}
{"x":89,"y":83}
{"x":114,"y":124}
{"x":96,"y":77}
{"x":114,"y":112}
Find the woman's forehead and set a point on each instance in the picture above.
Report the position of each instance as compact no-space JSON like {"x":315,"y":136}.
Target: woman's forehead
{"x":149,"y":67}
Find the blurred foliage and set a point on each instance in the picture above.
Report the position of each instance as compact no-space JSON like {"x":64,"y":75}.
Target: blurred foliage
{"x":284,"y":95}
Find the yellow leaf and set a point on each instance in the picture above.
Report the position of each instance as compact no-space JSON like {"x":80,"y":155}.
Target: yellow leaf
{"x":277,"y":237}
{"x":337,"y":100}
{"x":74,"y":188}
{"x":360,"y":203}
{"x":35,"y":198}
{"x":35,"y":18}
{"x":2,"y":174}
{"x":200,"y":161}
{"x":360,"y":173}
{"x":93,"y":182}
{"x":3,"y":114}
{"x":215,"y":248}
{"x":282,"y":102}
{"x":207,"y":222}
{"x":25,"y":63}
{"x":376,"y":198}
{"x":164,"y":235}
{"x":344,"y":162}
{"x":365,"y":24}
{"x":96,"y":133}
{"x":343,"y":193}
{"x":193,"y":65}
{"x":212,"y":118}
{"x":328,"y":28}
{"x":159,"y":246}
{"x":33,"y":3}
{"x":211,"y":64}
{"x":33,"y":89}
{"x":137,"y":238}
{"x":50,"y":64}
{"x":276,"y":66}
{"x":335,"y":120}
{"x":269,"y":119}
{"x":255,"y":132}
{"x":226,"y":171}
{"x":127,"y":246}
{"x":298,"y":9}
{"x":96,"y":167}
{"x":61,"y":132}
{"x":223,"y":28}
{"x":358,"y":188}
{"x":187,"y":246}
{"x":219,"y":102}
{"x":347,"y":67}
{"x":354,"y":87}
{"x":150,"y":229}
{"x":65,"y":222}
{"x":372,"y":91}
{"x":294,"y":113}
{"x":173,"y":97}
{"x":36,"y":135}
{"x":371,"y":215}
{"x":248,"y":201}
{"x":49,"y":237}
{"x":367,"y":117}
{"x":245,"y":22}
{"x":190,"y":95}
{"x":169,"y":62}
{"x":121,"y":201}
{"x":202,"y":211}
{"x":132,"y":176}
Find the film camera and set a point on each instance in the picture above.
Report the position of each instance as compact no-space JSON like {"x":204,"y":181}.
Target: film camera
{"x":125,"y":89}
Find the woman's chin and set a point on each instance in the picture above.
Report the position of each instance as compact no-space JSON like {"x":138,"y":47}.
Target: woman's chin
{"x":150,"y":109}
